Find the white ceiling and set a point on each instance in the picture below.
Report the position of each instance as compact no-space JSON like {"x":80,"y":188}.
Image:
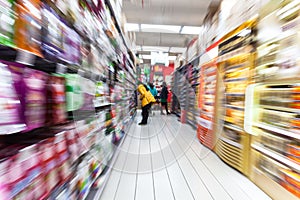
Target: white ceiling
{"x":165,"y":12}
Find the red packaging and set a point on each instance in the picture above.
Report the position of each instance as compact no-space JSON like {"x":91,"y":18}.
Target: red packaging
{"x":56,"y":109}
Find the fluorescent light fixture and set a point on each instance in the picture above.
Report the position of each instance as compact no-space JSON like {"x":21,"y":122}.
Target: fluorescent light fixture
{"x":155,"y":48}
{"x":156,"y":28}
{"x":172,"y":57}
{"x":146,"y":57}
{"x":194,"y":30}
{"x":132,"y":27}
{"x":177,"y":49}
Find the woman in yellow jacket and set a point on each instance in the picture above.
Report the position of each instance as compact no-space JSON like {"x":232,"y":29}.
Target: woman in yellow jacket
{"x":147,"y":100}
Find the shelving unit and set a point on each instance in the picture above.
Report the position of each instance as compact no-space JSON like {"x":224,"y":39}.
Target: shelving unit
{"x":235,"y":64}
{"x":207,"y":97}
{"x":185,"y":88}
{"x":275,"y":144}
{"x":76,"y":89}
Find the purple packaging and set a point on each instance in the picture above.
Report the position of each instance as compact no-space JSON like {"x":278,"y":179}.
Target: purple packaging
{"x":71,"y":47}
{"x":52,"y":37}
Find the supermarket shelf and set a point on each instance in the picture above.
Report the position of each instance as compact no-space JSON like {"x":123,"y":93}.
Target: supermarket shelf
{"x":267,"y":64}
{"x":109,"y":169}
{"x":92,"y":183}
{"x":236,"y":79}
{"x":233,"y":143}
{"x":274,"y":189}
{"x":233,"y":54}
{"x":107,"y":2}
{"x":192,"y":124}
{"x":235,"y":107}
{"x":104,"y":105}
{"x":278,"y":130}
{"x":235,"y":128}
{"x":293,"y":110}
{"x":235,"y":66}
{"x":235,"y":94}
{"x":277,"y":157}
{"x":7,"y":129}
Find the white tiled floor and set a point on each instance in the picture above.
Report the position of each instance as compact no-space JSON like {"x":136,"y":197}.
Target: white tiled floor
{"x":164,"y":161}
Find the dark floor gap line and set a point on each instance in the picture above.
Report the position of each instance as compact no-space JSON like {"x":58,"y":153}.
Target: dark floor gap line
{"x":151,"y":160}
{"x":137,"y":168}
{"x":210,"y":171}
{"x":203,"y":183}
{"x":179,"y":166}
{"x":115,"y":195}
{"x":166,"y":168}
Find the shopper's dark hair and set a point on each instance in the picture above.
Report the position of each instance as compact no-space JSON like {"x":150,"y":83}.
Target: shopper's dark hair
{"x":151,"y":86}
{"x":146,"y":87}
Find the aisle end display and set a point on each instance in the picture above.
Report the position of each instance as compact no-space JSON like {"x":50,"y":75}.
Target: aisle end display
{"x":207,"y":97}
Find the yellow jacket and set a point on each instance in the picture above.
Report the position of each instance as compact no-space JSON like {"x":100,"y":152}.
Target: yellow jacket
{"x":146,"y":96}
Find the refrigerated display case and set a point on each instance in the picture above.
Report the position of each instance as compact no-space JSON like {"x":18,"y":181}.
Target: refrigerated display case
{"x":235,"y":64}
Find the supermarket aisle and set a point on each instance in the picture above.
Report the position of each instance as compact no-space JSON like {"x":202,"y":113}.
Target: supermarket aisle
{"x":164,"y":160}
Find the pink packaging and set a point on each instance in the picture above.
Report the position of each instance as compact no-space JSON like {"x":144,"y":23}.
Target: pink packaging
{"x":49,"y":163}
{"x":5,"y":192}
{"x":35,"y":98}
{"x":71,"y":138}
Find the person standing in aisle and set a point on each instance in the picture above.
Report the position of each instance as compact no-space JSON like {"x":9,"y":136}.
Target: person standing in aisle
{"x":164,"y":98}
{"x":154,"y":94}
{"x":147,"y":100}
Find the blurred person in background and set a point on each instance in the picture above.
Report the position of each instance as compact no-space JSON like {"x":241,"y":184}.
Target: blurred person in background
{"x":154,"y":93}
{"x":147,"y":100}
{"x":164,"y":97}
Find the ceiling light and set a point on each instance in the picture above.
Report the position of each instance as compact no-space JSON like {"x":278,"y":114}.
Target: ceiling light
{"x":172,"y":57}
{"x":155,"y":28}
{"x":155,"y":48}
{"x":194,"y":30}
{"x":131,"y":27}
{"x":177,"y":49}
{"x":146,"y":57}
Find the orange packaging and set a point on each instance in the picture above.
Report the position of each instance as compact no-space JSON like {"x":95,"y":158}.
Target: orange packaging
{"x":291,"y":189}
{"x":295,"y":105}
{"x":296,"y":97}
{"x":295,"y":123}
{"x":292,"y":178}
{"x":295,"y":159}
{"x":28,"y":26}
{"x":296,"y":89}
{"x":294,"y":150}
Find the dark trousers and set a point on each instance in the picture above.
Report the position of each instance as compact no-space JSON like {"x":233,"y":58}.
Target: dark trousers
{"x":165,"y":104}
{"x":145,"y":113}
